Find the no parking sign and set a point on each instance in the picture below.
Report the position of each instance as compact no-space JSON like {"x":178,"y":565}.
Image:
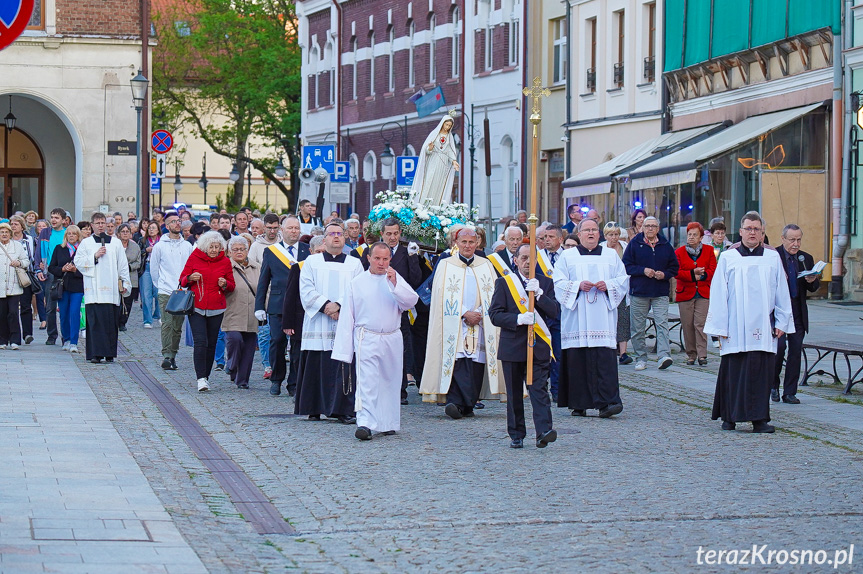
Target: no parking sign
{"x":14,"y":17}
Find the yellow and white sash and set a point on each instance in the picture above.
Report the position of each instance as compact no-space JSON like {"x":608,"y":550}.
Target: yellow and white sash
{"x":519,"y":295}
{"x":544,"y":262}
{"x":362,"y":248}
{"x":500,"y":264}
{"x":282,"y":253}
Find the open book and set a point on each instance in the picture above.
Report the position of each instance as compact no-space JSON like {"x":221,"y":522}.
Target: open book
{"x":816,"y":270}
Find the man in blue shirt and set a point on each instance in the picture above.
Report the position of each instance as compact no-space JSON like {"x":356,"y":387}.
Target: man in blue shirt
{"x":49,"y":239}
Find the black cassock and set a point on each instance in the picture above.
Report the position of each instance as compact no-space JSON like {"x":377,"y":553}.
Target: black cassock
{"x":743,"y":387}
{"x":324,"y":386}
{"x":103,"y":324}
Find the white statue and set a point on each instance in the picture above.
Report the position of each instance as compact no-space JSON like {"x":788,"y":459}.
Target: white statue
{"x":437,"y":165}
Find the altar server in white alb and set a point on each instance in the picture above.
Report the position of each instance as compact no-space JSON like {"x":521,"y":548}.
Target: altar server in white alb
{"x":101,"y":259}
{"x":590,"y":281}
{"x":750,"y":308}
{"x":369,"y":325}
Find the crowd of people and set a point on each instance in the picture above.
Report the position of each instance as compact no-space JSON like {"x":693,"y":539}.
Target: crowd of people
{"x":346,"y":317}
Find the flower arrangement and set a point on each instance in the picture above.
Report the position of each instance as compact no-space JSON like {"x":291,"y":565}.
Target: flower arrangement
{"x":427,"y":224}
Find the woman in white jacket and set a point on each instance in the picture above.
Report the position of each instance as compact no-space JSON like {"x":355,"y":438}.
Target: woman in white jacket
{"x":12,"y":255}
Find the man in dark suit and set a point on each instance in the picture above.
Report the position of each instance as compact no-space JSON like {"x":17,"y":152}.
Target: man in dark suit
{"x":794,"y":260}
{"x":407,"y":264}
{"x":513,"y":318}
{"x":275,"y":269}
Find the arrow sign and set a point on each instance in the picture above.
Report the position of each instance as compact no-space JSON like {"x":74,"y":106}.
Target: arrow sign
{"x":160,"y":168}
{"x":14,"y":17}
{"x":162,"y":141}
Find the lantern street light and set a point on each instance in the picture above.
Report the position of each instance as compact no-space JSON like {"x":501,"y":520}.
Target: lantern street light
{"x":139,"y":86}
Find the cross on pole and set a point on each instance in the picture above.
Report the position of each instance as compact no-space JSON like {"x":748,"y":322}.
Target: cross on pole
{"x":535,"y":93}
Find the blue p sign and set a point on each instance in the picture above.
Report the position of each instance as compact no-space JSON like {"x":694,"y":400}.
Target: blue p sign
{"x":406,"y":166}
{"x":343,"y":172}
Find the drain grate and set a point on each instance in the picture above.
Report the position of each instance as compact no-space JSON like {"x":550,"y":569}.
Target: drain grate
{"x":246,"y":496}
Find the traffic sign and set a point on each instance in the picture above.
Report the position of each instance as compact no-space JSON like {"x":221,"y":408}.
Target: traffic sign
{"x":406,"y":167}
{"x":162,"y":141}
{"x":155,"y":183}
{"x":14,"y":17}
{"x":161,"y":164}
{"x":342,"y":173}
{"x":315,"y":156}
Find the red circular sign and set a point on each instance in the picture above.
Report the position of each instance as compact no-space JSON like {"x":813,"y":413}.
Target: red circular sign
{"x":162,"y":141}
{"x":14,"y":17}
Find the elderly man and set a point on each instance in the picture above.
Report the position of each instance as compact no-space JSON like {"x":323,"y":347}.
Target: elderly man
{"x":256,"y":227}
{"x":521,"y":216}
{"x":504,"y":260}
{"x":352,"y":239}
{"x":795,"y":261}
{"x":546,"y":259}
{"x":651,"y":263}
{"x":750,"y":309}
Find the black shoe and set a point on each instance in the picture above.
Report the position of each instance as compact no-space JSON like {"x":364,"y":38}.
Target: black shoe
{"x":109,"y":359}
{"x":219,"y":367}
{"x":690,"y":362}
{"x":405,"y":402}
{"x":554,"y":398}
{"x":51,"y":342}
{"x":42,"y":327}
{"x":610,"y":410}
{"x":276,"y":388}
{"x":545,"y":438}
{"x":28,"y":339}
{"x":762,"y":427}
{"x":174,"y":366}
{"x":468,"y":414}
{"x":314,"y":417}
{"x":96,"y":360}
{"x":388,"y":433}
{"x":453,"y":411}
{"x":774,"y":395}
{"x":516,"y":443}
{"x":122,"y":327}
{"x":728,"y":426}
{"x":791,"y":400}
{"x":579,"y":412}
{"x":702,"y":362}
{"x":292,"y":391}
{"x":243,"y":386}
{"x":363,"y":433}
{"x":624,"y":359}
{"x":166,"y":364}
{"x":479,"y":405}
{"x":346,"y":420}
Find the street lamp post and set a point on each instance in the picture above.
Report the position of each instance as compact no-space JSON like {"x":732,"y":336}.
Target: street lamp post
{"x":139,"y":95}
{"x":178,"y":183}
{"x":387,"y":156}
{"x":202,"y":183}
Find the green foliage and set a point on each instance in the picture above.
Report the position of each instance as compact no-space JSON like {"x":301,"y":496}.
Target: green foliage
{"x":229,"y":71}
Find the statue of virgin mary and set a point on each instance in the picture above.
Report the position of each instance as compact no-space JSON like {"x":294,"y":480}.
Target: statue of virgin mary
{"x":437,"y":165}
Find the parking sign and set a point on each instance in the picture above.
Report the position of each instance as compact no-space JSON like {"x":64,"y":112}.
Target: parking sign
{"x":406,"y":166}
{"x":324,"y":156}
{"x":342,"y":173}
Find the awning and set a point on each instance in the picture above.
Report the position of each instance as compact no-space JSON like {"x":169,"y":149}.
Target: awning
{"x":598,"y":179}
{"x":682,"y":166}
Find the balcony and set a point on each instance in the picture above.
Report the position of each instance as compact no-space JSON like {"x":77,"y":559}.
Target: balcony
{"x":618,"y":75}
{"x":591,"y":80}
{"x":650,"y":69}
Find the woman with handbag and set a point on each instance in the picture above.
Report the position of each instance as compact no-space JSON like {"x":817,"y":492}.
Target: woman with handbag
{"x":133,"y":257}
{"x":68,"y":287}
{"x":239,"y":324}
{"x":13,"y":278}
{"x":149,"y":294}
{"x":208,"y":275}
{"x":697,"y":264}
{"x":19,"y":234}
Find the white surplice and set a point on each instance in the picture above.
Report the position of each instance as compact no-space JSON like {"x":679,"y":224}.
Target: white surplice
{"x":102,"y":280}
{"x":589,"y":319}
{"x":743,"y":294}
{"x":370,"y":325}
{"x":322,"y":281}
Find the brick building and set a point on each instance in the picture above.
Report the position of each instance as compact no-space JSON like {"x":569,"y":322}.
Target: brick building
{"x":67,"y":82}
{"x":364,"y":59}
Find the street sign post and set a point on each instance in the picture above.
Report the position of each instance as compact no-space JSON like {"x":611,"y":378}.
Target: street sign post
{"x":406,"y":167}
{"x":162,"y":141}
{"x":315,"y":156}
{"x":14,"y":17}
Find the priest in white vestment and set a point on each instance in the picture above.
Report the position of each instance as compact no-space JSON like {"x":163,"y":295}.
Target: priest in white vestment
{"x":102,"y":261}
{"x":750,"y":308}
{"x":369,"y":326}
{"x":324,"y":385}
{"x":462,"y":341}
{"x":590,"y":281}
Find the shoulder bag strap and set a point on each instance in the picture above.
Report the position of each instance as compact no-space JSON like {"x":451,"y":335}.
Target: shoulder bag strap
{"x":243,"y":275}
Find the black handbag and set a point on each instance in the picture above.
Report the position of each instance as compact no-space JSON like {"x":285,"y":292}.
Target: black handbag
{"x":35,"y":284}
{"x":56,"y":290}
{"x":181,"y":302}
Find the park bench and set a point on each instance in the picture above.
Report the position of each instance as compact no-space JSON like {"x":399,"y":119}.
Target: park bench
{"x":833,"y":349}
{"x":673,"y":323}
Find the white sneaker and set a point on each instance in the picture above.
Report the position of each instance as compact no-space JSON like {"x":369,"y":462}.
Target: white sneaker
{"x":148,"y":325}
{"x":664,"y":363}
{"x":716,"y":344}
{"x":160,"y":322}
{"x":2,"y":347}
{"x":65,"y":346}
{"x":202,"y":385}
{"x":640,"y":366}
{"x":73,"y":348}
{"x":13,"y":347}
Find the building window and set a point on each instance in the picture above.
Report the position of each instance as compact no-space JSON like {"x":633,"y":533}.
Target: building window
{"x":371,"y":63}
{"x":456,"y":44}
{"x":620,"y":49}
{"x":411,"y":75}
{"x":432,"y":50}
{"x":314,"y":58}
{"x":182,"y":28}
{"x":513,"y":42}
{"x":650,"y":59}
{"x":354,"y":74}
{"x":328,"y":60}
{"x":591,"y":51}
{"x":391,"y":71}
{"x":37,"y":19}
{"x":489,"y":45}
{"x":560,"y":55}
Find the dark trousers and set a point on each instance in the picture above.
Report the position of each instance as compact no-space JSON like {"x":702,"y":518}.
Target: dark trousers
{"x":205,"y":333}
{"x":794,"y":342}
{"x":554,"y":365}
{"x":240,"y":348}
{"x":27,"y":313}
{"x":50,"y":308}
{"x":466,"y":384}
{"x":278,"y":345}
{"x":9,"y":327}
{"x":296,"y":343}
{"x":408,"y":356}
{"x":513,"y":376}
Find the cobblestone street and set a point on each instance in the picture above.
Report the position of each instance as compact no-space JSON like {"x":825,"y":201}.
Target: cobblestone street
{"x":639,"y":492}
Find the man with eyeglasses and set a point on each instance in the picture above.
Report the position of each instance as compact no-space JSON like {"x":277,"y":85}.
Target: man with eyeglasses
{"x":651,"y":263}
{"x":325,"y":386}
{"x":276,"y":263}
{"x":750,"y":309}
{"x":167,"y":260}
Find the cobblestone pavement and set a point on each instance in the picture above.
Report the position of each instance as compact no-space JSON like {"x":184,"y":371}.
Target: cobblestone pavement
{"x":640,"y":492}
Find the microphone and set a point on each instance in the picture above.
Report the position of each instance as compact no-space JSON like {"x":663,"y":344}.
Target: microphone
{"x":802,"y":261}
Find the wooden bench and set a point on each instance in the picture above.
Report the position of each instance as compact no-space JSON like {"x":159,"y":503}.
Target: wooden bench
{"x":673,"y":323}
{"x":833,"y":349}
